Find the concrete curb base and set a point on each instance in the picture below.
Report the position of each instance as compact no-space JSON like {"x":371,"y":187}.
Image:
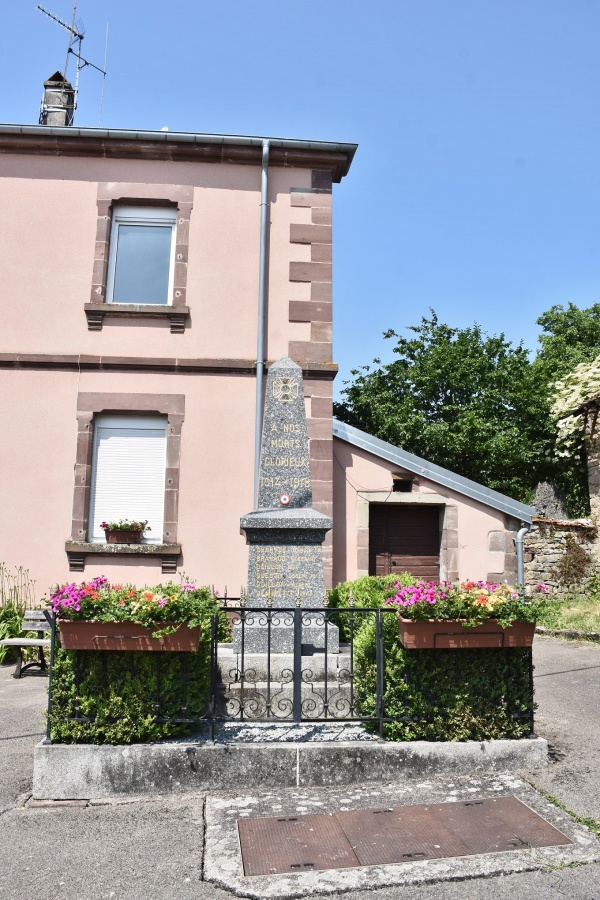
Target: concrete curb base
{"x":86,"y":772}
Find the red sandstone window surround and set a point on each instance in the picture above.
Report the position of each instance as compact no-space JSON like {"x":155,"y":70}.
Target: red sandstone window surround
{"x":89,"y":407}
{"x":161,"y":206}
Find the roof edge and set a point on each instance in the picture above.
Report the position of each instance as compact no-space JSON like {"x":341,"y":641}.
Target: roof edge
{"x":433,"y":472}
{"x":48,"y":138}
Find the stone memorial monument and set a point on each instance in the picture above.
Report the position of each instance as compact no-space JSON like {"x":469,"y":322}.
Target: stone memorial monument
{"x":285,"y":534}
{"x":549,"y":502}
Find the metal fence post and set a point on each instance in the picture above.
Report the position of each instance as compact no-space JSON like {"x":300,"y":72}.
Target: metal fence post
{"x":214,"y":669}
{"x":379,"y":660}
{"x":51,"y":619}
{"x":531,"y":692}
{"x":297,"y":701}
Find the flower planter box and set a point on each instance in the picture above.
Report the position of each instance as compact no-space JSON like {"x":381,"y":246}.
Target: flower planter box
{"x":123,"y":536}
{"x":454,"y":635}
{"x":86,"y":635}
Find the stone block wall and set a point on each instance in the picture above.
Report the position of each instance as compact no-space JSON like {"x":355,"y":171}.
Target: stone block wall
{"x":546,"y":544}
{"x":504,"y":542}
{"x":316,"y":310}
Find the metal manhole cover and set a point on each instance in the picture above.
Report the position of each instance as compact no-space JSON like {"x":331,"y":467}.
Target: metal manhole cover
{"x":294,"y":844}
{"x":401,"y":834}
{"x":499,"y":823}
{"x":368,"y":837}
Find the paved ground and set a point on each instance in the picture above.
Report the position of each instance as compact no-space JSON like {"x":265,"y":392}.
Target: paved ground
{"x":154,"y":849}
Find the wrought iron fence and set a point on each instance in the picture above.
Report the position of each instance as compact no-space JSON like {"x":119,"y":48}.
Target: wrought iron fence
{"x":296,"y":665}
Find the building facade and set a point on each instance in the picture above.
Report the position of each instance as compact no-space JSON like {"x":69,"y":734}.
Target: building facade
{"x":148,"y":279}
{"x":130,"y":267}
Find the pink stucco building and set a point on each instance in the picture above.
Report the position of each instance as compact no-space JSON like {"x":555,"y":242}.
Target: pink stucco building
{"x":133,"y":270}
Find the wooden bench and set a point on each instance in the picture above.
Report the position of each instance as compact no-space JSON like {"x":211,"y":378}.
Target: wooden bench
{"x":33,"y":620}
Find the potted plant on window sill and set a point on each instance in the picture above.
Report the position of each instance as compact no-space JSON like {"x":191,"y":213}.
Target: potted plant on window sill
{"x":472,"y":615}
{"x":125,"y":531}
{"x":96,"y":615}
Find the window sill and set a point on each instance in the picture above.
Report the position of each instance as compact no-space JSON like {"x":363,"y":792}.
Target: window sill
{"x":96,"y":312}
{"x":77,"y":551}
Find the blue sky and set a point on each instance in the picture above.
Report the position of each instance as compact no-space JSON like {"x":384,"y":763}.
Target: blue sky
{"x":475,"y":189}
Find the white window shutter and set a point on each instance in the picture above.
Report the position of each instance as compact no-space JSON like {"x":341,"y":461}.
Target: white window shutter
{"x":128,"y":480}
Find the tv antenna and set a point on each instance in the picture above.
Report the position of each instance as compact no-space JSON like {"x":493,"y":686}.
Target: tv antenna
{"x":76,"y":34}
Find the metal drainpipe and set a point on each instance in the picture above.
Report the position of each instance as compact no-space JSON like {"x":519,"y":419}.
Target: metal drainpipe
{"x":263,"y":278}
{"x":520,"y":561}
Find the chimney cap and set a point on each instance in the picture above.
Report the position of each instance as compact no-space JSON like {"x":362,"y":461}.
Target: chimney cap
{"x":58,"y":78}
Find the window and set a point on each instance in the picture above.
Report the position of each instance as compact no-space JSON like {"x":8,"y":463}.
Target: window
{"x":128,"y":473}
{"x":141,"y":255}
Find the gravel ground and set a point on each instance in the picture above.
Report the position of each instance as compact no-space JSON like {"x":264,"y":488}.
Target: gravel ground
{"x":154,"y":849}
{"x":265,"y":733}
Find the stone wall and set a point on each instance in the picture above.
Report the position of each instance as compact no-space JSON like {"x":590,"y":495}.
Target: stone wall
{"x":504,"y":542}
{"x":554,"y":554}
{"x":315,"y":311}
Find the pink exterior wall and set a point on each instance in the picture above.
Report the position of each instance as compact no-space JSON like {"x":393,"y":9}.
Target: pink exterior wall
{"x":47,"y":255}
{"x":47,"y":252}
{"x":474,"y":530}
{"x":215,"y":488}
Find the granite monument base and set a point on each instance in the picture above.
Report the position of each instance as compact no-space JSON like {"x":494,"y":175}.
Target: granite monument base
{"x":279,"y":638}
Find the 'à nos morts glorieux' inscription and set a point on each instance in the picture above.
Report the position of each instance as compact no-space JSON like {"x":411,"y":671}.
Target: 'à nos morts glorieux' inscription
{"x":281,"y":438}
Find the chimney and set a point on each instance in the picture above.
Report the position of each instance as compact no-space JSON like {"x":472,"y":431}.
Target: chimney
{"x":58,"y":103}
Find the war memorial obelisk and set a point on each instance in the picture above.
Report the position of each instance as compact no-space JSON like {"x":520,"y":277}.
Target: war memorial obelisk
{"x":285,"y":534}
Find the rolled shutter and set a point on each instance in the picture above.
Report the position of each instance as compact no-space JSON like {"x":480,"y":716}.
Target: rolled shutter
{"x":128,"y":480}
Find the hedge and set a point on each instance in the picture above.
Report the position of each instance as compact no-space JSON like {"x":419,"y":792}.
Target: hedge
{"x":118,"y":693}
{"x":441,"y":695}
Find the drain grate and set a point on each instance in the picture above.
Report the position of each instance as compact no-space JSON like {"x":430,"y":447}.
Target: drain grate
{"x":367,"y":837}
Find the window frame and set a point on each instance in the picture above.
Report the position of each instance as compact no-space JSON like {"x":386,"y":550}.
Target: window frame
{"x":152,"y":216}
{"x":89,"y":406}
{"x":111,"y":195}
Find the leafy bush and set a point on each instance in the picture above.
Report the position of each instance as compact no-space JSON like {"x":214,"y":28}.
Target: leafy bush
{"x":440,"y":695}
{"x":117,"y":698}
{"x":573,"y":564}
{"x":443,"y":695}
{"x":11,"y":619}
{"x":17,"y":593}
{"x":121,"y":697}
{"x":368,"y":591}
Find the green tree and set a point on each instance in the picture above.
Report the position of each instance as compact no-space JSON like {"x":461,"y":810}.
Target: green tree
{"x":477,"y":404}
{"x":570,"y":336}
{"x":461,"y":398}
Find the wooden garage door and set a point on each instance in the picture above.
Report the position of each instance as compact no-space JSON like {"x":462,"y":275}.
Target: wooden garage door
{"x":404,"y":539}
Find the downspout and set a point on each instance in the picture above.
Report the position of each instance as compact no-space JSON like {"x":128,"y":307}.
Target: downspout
{"x":263,"y":283}
{"x":520,"y":561}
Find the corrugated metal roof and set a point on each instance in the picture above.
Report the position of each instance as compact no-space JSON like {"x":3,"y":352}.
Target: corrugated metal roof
{"x":434,"y":473}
